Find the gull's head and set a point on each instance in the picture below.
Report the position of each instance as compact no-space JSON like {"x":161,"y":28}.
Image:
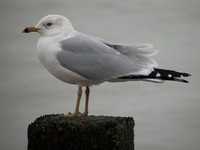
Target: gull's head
{"x":51,"y":25}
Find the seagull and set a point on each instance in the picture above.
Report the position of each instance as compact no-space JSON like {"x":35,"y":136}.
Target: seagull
{"x":85,"y":60}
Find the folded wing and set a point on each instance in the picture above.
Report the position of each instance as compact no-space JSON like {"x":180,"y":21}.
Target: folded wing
{"x":96,"y":59}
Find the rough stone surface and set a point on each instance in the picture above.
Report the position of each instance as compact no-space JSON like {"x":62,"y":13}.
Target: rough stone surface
{"x":59,"y":132}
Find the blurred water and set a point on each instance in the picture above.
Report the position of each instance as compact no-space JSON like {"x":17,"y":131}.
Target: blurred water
{"x":166,"y":115}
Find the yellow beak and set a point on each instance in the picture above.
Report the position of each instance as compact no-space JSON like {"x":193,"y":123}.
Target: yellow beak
{"x":30,"y":29}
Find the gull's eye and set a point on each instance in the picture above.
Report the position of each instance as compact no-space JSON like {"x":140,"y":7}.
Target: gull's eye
{"x":49,"y":24}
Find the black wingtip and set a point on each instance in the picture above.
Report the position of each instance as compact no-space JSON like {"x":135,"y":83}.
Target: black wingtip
{"x":185,"y":74}
{"x":181,"y":80}
{"x":162,"y":74}
{"x":173,"y":75}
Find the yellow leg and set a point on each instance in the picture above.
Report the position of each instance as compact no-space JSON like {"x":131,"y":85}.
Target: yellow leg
{"x":77,"y":113}
{"x":87,"y":94}
{"x":78,"y":100}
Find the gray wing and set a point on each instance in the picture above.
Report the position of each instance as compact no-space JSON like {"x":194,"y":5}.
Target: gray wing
{"x":138,"y":52}
{"x":95,"y":60}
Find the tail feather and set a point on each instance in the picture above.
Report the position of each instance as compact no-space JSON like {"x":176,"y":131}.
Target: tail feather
{"x":161,"y":74}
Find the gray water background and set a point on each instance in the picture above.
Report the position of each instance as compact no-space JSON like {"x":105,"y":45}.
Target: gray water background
{"x":167,"y":115}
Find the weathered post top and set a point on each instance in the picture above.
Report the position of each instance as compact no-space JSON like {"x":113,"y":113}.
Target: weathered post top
{"x":59,"y":132}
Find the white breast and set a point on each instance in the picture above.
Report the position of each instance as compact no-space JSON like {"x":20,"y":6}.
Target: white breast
{"x":47,"y":49}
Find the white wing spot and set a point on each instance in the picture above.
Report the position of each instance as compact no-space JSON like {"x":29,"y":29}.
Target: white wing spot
{"x":158,"y":75}
{"x":169,"y":75}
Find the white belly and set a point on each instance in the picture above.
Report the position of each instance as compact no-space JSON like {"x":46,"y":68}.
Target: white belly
{"x":47,"y":56}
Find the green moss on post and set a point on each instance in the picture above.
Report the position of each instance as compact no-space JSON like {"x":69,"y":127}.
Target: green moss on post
{"x":59,"y":132}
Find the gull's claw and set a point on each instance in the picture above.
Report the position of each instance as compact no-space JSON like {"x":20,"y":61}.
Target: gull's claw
{"x":76,"y":114}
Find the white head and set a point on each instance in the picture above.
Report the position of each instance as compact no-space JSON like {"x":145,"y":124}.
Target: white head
{"x":51,"y":25}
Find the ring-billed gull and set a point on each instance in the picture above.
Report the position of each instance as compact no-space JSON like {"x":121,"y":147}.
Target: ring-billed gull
{"x":85,"y":60}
